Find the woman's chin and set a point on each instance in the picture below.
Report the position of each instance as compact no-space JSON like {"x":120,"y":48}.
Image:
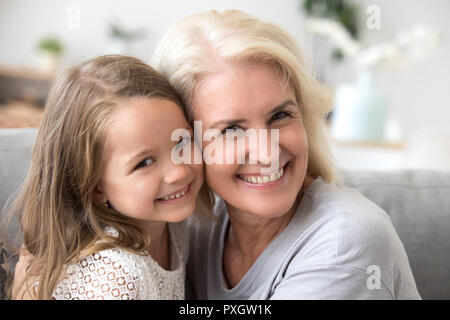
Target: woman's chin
{"x":269,"y":209}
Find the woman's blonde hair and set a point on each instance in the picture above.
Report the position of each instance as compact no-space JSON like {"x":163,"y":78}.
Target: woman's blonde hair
{"x":198,"y":44}
{"x":59,"y":218}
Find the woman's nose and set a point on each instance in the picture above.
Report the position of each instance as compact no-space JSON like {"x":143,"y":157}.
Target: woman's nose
{"x":264,"y":147}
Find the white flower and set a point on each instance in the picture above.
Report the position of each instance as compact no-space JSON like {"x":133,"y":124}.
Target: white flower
{"x":335,"y":32}
{"x":409,"y":46}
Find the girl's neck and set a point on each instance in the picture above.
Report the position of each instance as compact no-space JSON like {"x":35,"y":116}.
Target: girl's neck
{"x":159,"y":248}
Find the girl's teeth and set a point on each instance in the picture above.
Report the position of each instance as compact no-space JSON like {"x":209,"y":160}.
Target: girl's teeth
{"x":264,"y":179}
{"x":176,"y":196}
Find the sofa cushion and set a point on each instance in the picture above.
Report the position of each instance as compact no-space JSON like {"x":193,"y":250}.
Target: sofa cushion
{"x":15,"y":154}
{"x":4,"y":267}
{"x":418,"y":202}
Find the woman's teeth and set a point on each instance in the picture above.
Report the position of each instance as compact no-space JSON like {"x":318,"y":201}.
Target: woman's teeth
{"x":264,"y":179}
{"x":176,"y":195}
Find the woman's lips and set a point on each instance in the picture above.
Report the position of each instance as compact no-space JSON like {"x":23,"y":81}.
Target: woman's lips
{"x":262,"y":181}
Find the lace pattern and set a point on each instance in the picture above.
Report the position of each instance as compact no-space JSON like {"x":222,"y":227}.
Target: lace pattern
{"x":116,"y":274}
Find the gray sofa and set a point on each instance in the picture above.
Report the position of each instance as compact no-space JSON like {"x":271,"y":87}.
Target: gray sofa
{"x":417,"y":201}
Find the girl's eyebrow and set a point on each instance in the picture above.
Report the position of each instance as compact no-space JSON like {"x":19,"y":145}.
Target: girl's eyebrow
{"x":237,"y":121}
{"x":148,"y":151}
{"x":138,"y":155}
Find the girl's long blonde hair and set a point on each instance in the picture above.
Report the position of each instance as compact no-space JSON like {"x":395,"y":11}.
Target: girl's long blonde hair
{"x":200,"y":44}
{"x":59,"y":218}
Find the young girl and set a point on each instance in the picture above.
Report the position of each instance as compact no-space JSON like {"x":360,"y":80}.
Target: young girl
{"x":102,"y":205}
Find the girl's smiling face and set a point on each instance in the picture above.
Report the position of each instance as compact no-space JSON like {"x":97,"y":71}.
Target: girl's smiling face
{"x":139,"y":179}
{"x":253,"y":96}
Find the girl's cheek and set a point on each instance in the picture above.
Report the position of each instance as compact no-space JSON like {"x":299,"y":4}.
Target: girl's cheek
{"x":198,"y":172}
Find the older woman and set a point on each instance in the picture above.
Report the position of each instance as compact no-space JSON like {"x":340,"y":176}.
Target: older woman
{"x":293,"y":233}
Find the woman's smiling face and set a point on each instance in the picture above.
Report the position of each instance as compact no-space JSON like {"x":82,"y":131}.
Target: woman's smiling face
{"x":254,"y":97}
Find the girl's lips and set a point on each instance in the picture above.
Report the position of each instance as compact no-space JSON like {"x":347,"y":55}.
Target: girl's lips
{"x":176,"y":200}
{"x":267,"y":185}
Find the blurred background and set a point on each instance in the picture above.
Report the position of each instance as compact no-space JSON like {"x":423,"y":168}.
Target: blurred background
{"x":387,"y":63}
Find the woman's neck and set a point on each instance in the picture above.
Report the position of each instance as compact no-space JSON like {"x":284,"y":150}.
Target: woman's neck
{"x":248,"y":237}
{"x":251,"y":234}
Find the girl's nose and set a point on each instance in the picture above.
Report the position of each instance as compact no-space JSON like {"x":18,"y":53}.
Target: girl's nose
{"x":175,"y":172}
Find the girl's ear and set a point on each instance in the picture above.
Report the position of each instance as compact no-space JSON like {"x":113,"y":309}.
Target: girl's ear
{"x":99,"y":194}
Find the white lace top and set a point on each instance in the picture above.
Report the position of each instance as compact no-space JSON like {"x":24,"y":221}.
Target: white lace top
{"x":116,"y":274}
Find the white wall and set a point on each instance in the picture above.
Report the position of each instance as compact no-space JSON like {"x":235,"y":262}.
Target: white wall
{"x":23,"y":22}
{"x":420,"y":96}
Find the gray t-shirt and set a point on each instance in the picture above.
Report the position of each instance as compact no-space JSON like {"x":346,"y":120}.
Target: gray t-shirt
{"x":338,"y":245}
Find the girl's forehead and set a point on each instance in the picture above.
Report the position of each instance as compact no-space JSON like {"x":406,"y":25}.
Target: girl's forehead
{"x":149,"y":112}
{"x":144,"y":122}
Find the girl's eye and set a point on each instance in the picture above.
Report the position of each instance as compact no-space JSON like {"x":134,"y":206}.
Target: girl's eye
{"x":233,"y":127}
{"x":144,"y":163}
{"x":280,"y":115}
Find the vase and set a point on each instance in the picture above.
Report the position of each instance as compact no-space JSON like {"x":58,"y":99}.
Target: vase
{"x":48,"y":62}
{"x":360,"y":110}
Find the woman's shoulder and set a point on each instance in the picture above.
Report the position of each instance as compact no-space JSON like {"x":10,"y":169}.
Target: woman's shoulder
{"x":346,"y":207}
{"x":349,"y":223}
{"x":342,"y":231}
{"x":339,"y":197}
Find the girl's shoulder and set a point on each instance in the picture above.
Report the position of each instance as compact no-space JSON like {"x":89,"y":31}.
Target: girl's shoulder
{"x":107,"y":274}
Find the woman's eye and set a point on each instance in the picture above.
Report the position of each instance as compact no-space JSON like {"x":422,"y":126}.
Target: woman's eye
{"x":233,"y":127}
{"x":280,"y":115}
{"x":144,"y":163}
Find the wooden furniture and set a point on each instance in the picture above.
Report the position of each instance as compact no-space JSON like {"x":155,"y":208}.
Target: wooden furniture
{"x":23,"y":92}
{"x":20,"y":115}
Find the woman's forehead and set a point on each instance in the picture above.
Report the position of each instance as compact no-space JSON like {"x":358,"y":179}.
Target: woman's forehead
{"x":240,"y":90}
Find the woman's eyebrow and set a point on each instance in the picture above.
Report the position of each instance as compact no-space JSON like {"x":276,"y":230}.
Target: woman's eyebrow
{"x":282,"y":106}
{"x":228,"y":122}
